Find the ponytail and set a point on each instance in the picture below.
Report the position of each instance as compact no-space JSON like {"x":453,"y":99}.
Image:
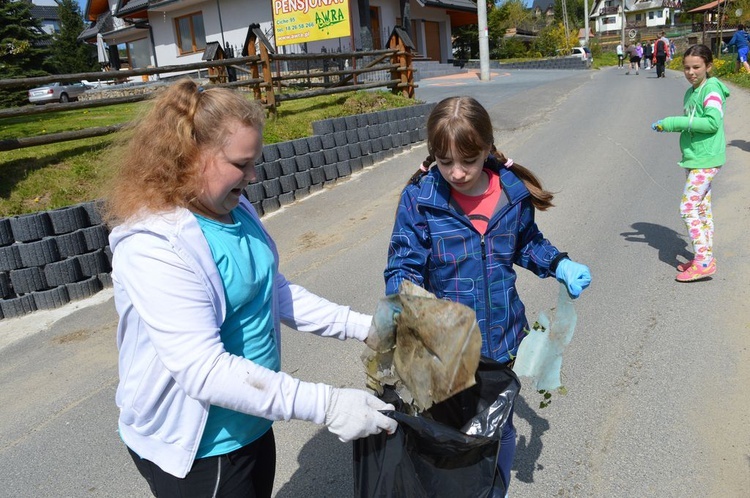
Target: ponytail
{"x":540,"y":198}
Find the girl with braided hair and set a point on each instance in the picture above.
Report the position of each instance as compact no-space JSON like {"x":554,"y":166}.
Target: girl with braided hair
{"x":465,"y":220}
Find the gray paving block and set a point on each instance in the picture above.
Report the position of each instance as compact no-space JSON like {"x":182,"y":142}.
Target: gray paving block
{"x":105,"y":279}
{"x":93,"y":263}
{"x":288,"y":183}
{"x":303,"y":179}
{"x":317,"y":175}
{"x":26,"y":280}
{"x":322,"y":127}
{"x":272,"y":169}
{"x":6,"y":233}
{"x":288,"y":165}
{"x":270,"y":153}
{"x":286,"y":198}
{"x":31,"y":227}
{"x":68,"y":219}
{"x":340,"y":138}
{"x":314,"y":143}
{"x":51,"y":299}
{"x":317,"y":159}
{"x":331,"y":171}
{"x":260,"y":173}
{"x":343,"y":169}
{"x":286,"y":149}
{"x":270,"y":205}
{"x":71,"y":244}
{"x":18,"y":306}
{"x":352,"y":136}
{"x":255,"y":192}
{"x":63,"y":272}
{"x":84,"y":288}
{"x":96,"y":237}
{"x":10,"y":259}
{"x":39,"y":253}
{"x":361,"y":120}
{"x":339,"y":124}
{"x":300,"y":146}
{"x":328,"y":141}
{"x":6,"y":289}
{"x":94,"y":210}
{"x":272,"y":188}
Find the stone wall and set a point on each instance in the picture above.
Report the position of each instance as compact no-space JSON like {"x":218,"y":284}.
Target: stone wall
{"x":51,"y":258}
{"x":550,"y":63}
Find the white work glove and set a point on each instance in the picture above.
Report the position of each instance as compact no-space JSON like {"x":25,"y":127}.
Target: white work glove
{"x":353,"y":414}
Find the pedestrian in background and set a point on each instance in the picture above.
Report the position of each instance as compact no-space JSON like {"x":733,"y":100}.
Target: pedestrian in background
{"x":648,"y":53}
{"x":661,"y":52}
{"x":620,"y":55}
{"x":634,"y":60}
{"x":201,"y":301}
{"x":703,"y":149}
{"x":741,"y":40}
{"x":464,"y":221}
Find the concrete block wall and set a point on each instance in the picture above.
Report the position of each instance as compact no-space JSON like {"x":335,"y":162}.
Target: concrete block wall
{"x":51,"y":258}
{"x":551,"y":63}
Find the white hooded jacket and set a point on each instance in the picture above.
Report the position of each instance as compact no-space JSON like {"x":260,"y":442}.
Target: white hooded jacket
{"x":172,"y":363}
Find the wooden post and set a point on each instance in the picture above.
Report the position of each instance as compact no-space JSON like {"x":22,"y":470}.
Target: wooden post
{"x":251,"y":49}
{"x":265,"y":61}
{"x":402,"y":57}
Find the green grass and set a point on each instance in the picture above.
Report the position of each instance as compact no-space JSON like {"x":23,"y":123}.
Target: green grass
{"x":52,"y":176}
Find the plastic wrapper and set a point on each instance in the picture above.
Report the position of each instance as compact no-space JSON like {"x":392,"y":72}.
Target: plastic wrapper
{"x":449,"y":450}
{"x":435,"y":352}
{"x":540,"y":355}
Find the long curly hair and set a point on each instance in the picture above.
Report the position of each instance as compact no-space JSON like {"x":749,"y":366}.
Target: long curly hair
{"x":157,"y":162}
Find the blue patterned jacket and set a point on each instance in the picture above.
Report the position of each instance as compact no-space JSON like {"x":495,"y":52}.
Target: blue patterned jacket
{"x":437,"y":247}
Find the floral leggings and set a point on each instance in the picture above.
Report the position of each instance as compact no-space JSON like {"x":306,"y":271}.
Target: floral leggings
{"x":695,"y":210}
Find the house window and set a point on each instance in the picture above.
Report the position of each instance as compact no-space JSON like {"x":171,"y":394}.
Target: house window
{"x":660,"y":14}
{"x":638,"y":18}
{"x":609,"y":20}
{"x":650,"y":15}
{"x":191,"y":37}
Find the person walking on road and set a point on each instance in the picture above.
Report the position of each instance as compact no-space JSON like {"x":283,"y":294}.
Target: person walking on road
{"x":703,"y":149}
{"x":648,"y":53}
{"x":620,"y":55}
{"x":201,"y":301}
{"x":464,"y":220}
{"x":635,"y":61}
{"x":741,"y":40}
{"x":661,"y":52}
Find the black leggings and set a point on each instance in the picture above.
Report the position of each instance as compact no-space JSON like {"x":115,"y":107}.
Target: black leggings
{"x":244,"y":473}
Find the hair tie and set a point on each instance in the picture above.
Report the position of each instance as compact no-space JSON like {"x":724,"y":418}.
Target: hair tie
{"x":424,"y":168}
{"x":200,"y":89}
{"x":508,"y":163}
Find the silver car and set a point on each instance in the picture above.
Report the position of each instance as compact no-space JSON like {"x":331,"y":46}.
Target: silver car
{"x":56,"y":92}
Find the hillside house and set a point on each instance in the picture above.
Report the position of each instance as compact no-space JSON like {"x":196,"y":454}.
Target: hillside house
{"x":172,"y":32}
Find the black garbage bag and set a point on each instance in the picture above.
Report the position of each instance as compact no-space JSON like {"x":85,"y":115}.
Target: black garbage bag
{"x":449,"y":450}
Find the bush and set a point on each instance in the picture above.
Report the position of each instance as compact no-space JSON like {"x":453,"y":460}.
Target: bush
{"x":510,"y":48}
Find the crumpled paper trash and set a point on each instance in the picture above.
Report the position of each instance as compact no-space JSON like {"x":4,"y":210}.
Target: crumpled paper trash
{"x":539,"y":357}
{"x":436,"y":351}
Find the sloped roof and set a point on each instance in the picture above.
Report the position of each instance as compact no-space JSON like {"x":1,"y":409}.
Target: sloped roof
{"x":462,"y":5}
{"x":543,"y":5}
{"x":44,"y":12}
{"x":706,"y":7}
{"x":103,"y":24}
{"x":130,"y":6}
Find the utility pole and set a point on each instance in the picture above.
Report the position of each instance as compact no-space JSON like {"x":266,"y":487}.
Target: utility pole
{"x":484,"y":41}
{"x":622,"y":21}
{"x":586,"y":22}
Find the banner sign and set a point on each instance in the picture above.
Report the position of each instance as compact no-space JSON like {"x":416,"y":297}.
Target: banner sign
{"x":299,"y":21}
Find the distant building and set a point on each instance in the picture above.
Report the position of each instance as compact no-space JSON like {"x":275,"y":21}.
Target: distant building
{"x":46,"y":12}
{"x":543,"y":11}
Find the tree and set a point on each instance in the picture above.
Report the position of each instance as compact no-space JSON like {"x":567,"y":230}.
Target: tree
{"x":509,"y":14}
{"x":553,"y":38}
{"x":70,"y":55}
{"x":22,"y":48}
{"x":576,"y":12}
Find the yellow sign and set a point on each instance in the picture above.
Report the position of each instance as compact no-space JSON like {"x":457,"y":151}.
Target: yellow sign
{"x":299,"y":21}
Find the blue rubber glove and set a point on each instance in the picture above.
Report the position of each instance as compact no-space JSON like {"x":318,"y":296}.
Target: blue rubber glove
{"x":575,"y":276}
{"x":657,"y":126}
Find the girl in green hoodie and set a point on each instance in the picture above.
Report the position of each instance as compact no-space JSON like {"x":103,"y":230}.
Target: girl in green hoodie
{"x":703,"y":152}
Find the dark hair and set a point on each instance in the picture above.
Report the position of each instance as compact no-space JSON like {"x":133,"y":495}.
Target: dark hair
{"x":740,"y":27}
{"x":701,"y":51}
{"x":464,"y":124}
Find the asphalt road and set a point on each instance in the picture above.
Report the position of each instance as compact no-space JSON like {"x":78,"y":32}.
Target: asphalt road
{"x":656,"y":371}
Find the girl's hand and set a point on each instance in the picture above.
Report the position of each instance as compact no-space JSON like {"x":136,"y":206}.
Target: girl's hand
{"x":575,"y":276}
{"x":657,"y":126}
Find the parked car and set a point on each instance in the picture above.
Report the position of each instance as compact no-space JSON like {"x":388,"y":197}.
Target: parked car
{"x":582,"y":52}
{"x":56,"y":92}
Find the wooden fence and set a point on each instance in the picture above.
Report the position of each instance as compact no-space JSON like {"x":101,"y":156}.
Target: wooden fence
{"x":311,"y":75}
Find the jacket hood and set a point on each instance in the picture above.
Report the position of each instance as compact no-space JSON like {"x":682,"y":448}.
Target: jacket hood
{"x":715,"y":84}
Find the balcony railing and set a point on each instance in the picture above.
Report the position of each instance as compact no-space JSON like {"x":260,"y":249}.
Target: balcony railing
{"x":609,"y":10}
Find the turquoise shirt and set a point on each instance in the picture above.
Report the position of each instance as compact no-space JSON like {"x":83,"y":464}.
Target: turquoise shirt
{"x":245,"y":263}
